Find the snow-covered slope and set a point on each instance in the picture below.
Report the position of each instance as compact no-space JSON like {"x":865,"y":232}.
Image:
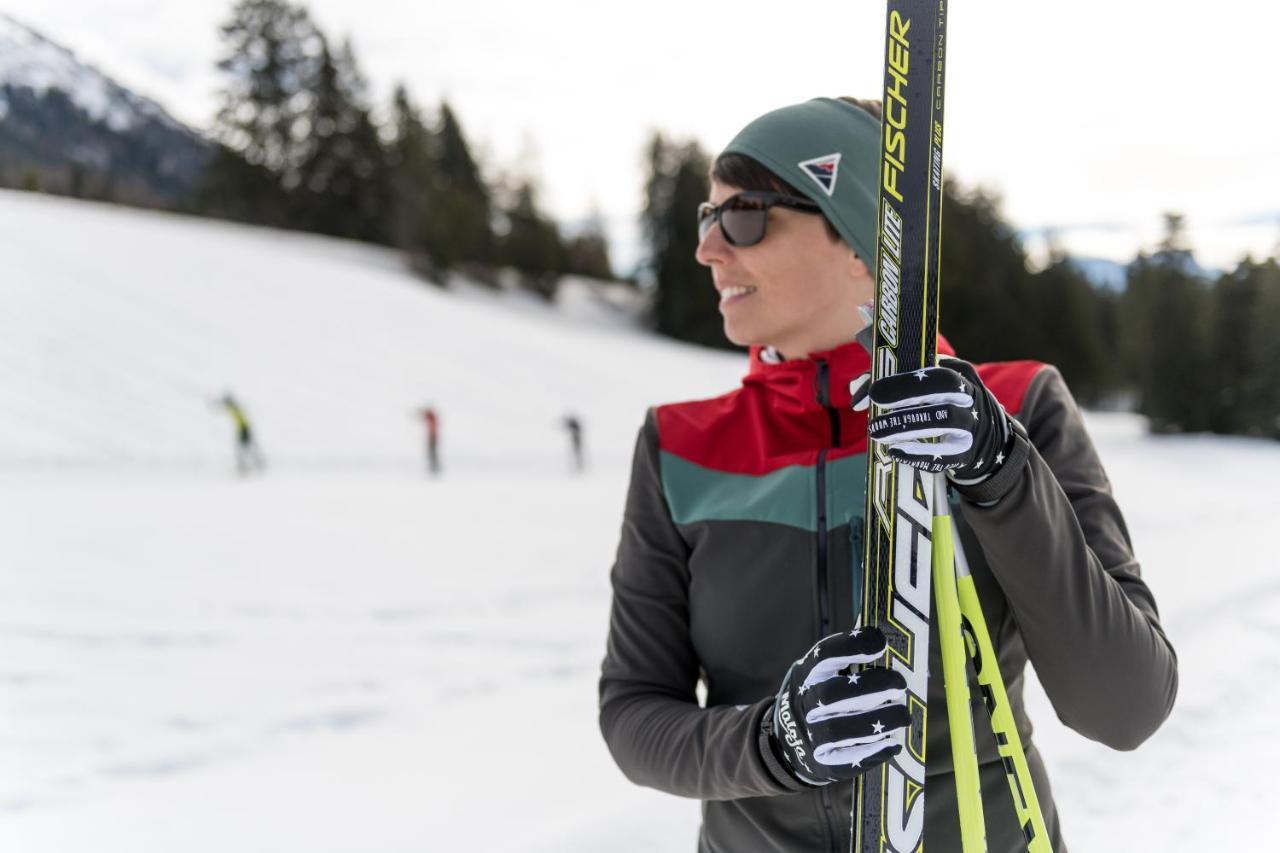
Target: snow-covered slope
{"x":29,"y":60}
{"x":120,"y":327}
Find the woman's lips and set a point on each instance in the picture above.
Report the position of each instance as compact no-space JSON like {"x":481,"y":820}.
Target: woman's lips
{"x":730,"y":295}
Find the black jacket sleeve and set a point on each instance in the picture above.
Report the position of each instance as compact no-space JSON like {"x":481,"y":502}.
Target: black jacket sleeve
{"x":1058,"y":546}
{"x":649,"y":713}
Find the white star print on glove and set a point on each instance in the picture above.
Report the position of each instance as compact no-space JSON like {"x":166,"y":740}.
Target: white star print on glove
{"x":940,"y":419}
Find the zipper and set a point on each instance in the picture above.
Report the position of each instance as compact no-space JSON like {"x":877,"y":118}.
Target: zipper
{"x":824,"y":400}
{"x":823,"y":393}
{"x":824,"y":619}
{"x":831,"y":819}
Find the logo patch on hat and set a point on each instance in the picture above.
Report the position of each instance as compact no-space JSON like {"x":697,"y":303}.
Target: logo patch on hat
{"x":823,"y":171}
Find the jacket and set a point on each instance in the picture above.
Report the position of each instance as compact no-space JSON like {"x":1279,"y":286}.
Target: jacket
{"x":741,"y":546}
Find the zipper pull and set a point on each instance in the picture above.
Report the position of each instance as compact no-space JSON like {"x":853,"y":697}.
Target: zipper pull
{"x":822,"y":383}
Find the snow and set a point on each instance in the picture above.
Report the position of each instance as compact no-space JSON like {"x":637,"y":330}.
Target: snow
{"x":346,"y":655}
{"x":29,"y":60}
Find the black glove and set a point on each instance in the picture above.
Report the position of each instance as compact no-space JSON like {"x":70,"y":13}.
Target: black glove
{"x":942,"y":419}
{"x":832,"y":721}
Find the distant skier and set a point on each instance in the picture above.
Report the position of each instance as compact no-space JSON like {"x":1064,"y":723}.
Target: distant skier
{"x":431,"y":421}
{"x":574,"y":427}
{"x":248,"y":456}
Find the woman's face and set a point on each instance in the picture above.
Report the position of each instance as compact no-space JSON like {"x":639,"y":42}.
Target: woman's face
{"x":797,"y":290}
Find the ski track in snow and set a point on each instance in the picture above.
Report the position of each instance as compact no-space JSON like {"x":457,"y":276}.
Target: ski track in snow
{"x":344,"y":656}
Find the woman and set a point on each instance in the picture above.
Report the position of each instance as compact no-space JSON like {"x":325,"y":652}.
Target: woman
{"x":741,"y":541}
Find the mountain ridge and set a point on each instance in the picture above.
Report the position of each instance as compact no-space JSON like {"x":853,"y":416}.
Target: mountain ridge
{"x":68,"y":128}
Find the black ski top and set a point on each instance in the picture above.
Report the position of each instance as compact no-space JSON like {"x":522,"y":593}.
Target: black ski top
{"x":741,"y":547}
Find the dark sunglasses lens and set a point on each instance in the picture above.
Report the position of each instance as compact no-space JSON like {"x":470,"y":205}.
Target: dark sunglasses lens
{"x":744,"y":223}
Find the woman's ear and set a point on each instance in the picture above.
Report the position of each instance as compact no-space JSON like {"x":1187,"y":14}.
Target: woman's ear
{"x":861,"y":278}
{"x":857,"y":268}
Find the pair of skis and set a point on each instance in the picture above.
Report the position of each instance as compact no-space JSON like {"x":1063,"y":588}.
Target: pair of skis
{"x":912,"y":557}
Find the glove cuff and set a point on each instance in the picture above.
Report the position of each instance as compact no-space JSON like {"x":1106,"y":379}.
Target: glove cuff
{"x":991,"y":489}
{"x":773,"y":762}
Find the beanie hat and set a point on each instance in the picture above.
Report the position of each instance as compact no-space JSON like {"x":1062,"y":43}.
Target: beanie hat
{"x":829,"y":150}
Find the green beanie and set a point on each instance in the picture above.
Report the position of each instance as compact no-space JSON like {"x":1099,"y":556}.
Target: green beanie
{"x":830,"y":151}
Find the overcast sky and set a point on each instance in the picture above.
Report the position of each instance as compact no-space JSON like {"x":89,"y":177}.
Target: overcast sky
{"x":1091,"y":117}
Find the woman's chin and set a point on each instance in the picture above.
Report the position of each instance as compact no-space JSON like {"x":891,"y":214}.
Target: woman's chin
{"x":738,"y":336}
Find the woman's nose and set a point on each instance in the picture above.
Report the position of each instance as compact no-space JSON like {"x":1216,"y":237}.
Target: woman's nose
{"x":712,"y":247}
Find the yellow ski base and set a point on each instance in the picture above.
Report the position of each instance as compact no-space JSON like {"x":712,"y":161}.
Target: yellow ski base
{"x":964,"y":753}
{"x":1009,"y":743}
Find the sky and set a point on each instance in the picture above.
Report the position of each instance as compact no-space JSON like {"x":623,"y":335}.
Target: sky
{"x":1090,"y":119}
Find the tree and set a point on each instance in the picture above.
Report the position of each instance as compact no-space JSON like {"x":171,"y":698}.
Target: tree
{"x":416,"y":180}
{"x":461,"y":228}
{"x":1165,"y":315}
{"x":1174,"y":241}
{"x":531,"y":243}
{"x":345,"y":180}
{"x":1267,"y":320}
{"x":986,"y":285}
{"x":273,"y":51}
{"x":297,"y":145}
{"x":994,"y":308}
{"x":685,"y":303}
{"x":1244,"y":360}
{"x":443,"y":205}
{"x":234,"y":188}
{"x":587,"y":252}
{"x":1068,"y":323}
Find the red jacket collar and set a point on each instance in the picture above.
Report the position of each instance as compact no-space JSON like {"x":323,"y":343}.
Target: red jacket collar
{"x":797,"y":378}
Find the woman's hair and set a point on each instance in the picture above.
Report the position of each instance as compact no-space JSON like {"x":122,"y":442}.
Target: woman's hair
{"x":739,"y":170}
{"x":868,"y":105}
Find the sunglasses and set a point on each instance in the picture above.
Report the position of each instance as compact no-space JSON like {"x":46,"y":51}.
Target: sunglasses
{"x":743,"y":217}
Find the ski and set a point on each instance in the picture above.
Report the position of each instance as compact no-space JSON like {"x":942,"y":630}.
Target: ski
{"x":888,"y":802}
{"x":982,"y":653}
{"x":953,"y":645}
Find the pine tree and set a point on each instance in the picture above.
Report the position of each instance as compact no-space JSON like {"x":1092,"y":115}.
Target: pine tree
{"x":318,"y":169}
{"x":234,"y":188}
{"x":531,"y":243}
{"x":1165,"y":313}
{"x":461,"y":228}
{"x":986,"y":286}
{"x":657,"y":192}
{"x":1267,"y":320}
{"x":1114,"y":383}
{"x":995,"y":308}
{"x":1068,"y":325}
{"x":416,"y":181}
{"x":372,"y":204}
{"x":685,"y":303}
{"x":587,"y":252}
{"x":1232,"y":350}
{"x":345,"y":182}
{"x":272,"y":55}
{"x":1243,"y":372}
